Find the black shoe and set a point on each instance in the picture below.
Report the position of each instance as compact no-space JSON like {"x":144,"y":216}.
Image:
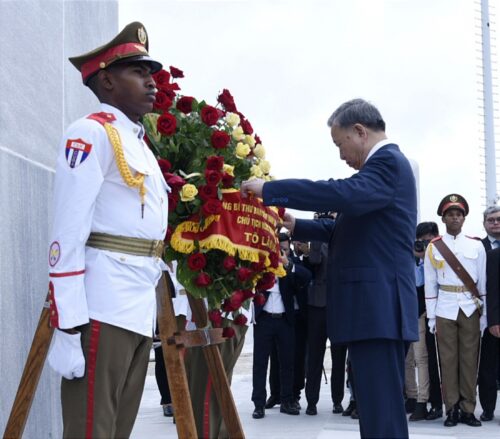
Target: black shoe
{"x":258,"y":413}
{"x":311,"y":410}
{"x":296,"y":404}
{"x":168,"y":410}
{"x":289,"y":408}
{"x":434,"y":413}
{"x":486,"y":416}
{"x":420,"y":412}
{"x":410,"y":405}
{"x":451,"y":418}
{"x":470,"y":420}
{"x":354,"y":414}
{"x":349,"y":409}
{"x":337,"y":408}
{"x":271,"y":402}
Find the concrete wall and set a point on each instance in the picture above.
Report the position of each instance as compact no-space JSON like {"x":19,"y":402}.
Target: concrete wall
{"x":40,"y":94}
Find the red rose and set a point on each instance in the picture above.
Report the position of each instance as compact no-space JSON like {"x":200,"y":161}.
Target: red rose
{"x":257,"y":140}
{"x":244,"y":274}
{"x":266,"y":282}
{"x":162,"y":101}
{"x":209,"y":115}
{"x":248,"y":294}
{"x":207,"y":191}
{"x":275,"y":260}
{"x":176,"y":73}
{"x":185,"y":104}
{"x":197,"y":261}
{"x":168,"y":235}
{"x":237,"y":299}
{"x":167,"y":124}
{"x":228,"y":332}
{"x":257,"y":267}
{"x":174,"y":181}
{"x":161,"y":77}
{"x":164,"y":165}
{"x":169,"y":89}
{"x":240,"y":320}
{"x":212,"y":206}
{"x":227,"y":306}
{"x":203,"y":280}
{"x":227,"y":100}
{"x":247,"y":128}
{"x":215,"y":316}
{"x":227,"y":180}
{"x":259,"y":299}
{"x":281,"y":212}
{"x":215,"y":162}
{"x":229,"y":263}
{"x":173,"y":199}
{"x":213,"y":177}
{"x":219,"y":139}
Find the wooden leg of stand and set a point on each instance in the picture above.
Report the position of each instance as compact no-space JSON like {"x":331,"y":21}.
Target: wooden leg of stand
{"x":30,"y":377}
{"x":220,"y":382}
{"x":174,"y":364}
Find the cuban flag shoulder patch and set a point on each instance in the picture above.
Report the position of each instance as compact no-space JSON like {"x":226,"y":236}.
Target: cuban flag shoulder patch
{"x":77,"y":152}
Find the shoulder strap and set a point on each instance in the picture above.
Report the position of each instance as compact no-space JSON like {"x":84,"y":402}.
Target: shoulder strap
{"x":102,"y":117}
{"x":456,"y":266}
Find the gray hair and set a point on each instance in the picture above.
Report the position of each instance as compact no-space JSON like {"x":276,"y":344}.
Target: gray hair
{"x":489,"y":210}
{"x":357,"y":111}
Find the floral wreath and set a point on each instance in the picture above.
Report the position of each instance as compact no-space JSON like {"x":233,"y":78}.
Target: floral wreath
{"x":203,"y":152}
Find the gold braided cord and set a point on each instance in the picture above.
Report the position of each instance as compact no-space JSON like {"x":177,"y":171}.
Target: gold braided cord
{"x":438,"y":265}
{"x":131,"y":181}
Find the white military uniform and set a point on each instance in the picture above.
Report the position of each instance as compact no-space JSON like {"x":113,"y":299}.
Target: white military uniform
{"x":471,"y":254}
{"x":91,"y":196}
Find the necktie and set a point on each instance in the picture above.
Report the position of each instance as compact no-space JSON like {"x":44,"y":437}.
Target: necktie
{"x":496,"y":243}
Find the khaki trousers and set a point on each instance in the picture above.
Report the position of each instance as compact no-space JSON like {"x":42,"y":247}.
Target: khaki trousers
{"x":458,"y":344}
{"x":207,"y":413}
{"x":417,"y":357}
{"x":104,"y":403}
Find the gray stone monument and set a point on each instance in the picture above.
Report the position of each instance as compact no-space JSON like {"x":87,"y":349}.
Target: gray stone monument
{"x":41,"y":93}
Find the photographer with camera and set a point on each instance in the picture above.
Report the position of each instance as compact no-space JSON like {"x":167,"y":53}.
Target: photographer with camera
{"x":422,"y":354}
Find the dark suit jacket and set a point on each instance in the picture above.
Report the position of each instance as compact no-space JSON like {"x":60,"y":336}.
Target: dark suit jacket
{"x":371,"y":280}
{"x":289,"y":286}
{"x":493,"y":287}
{"x":486,"y":243}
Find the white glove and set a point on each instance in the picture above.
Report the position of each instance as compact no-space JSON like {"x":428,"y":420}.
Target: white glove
{"x":66,"y":355}
{"x":482,"y":324}
{"x":432,"y":325}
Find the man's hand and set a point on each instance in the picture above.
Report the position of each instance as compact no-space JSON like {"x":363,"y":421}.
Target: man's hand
{"x":495,"y":330}
{"x":252,"y":187}
{"x":289,"y":222}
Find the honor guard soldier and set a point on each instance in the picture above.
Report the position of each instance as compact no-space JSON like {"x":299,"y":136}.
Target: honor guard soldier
{"x":455,"y":290}
{"x":110,"y":219}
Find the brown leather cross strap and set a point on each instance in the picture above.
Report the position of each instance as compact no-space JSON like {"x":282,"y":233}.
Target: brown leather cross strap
{"x":456,"y":266}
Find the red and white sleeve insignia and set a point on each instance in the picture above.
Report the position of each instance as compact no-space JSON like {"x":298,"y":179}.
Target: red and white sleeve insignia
{"x":77,"y":151}
{"x":54,"y":315}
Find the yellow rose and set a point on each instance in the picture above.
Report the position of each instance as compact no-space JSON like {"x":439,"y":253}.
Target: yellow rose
{"x":249,"y":140}
{"x":228,"y":169}
{"x":238,"y":134}
{"x":232,"y":119}
{"x":256,"y":171}
{"x":265,"y":166}
{"x":188,"y":192}
{"x":268,"y":178}
{"x":259,"y":151}
{"x":242,"y":150}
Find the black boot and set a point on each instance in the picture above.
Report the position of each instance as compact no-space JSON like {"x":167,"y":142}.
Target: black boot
{"x":420,"y":412}
{"x":349,"y":409}
{"x":470,"y":420}
{"x":451,"y":417}
{"x":434,"y":413}
{"x":410,"y":405}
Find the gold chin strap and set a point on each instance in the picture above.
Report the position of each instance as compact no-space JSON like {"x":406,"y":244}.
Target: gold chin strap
{"x":131,"y":181}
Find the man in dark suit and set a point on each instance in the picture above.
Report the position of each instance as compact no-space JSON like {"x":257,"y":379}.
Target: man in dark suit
{"x":274,"y":324}
{"x":372,"y":301}
{"x":488,"y":365}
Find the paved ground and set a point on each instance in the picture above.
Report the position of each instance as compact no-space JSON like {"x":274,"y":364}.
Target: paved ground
{"x":151,"y":424}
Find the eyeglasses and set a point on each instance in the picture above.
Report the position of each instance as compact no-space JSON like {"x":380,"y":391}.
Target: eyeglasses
{"x":493,"y":220}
